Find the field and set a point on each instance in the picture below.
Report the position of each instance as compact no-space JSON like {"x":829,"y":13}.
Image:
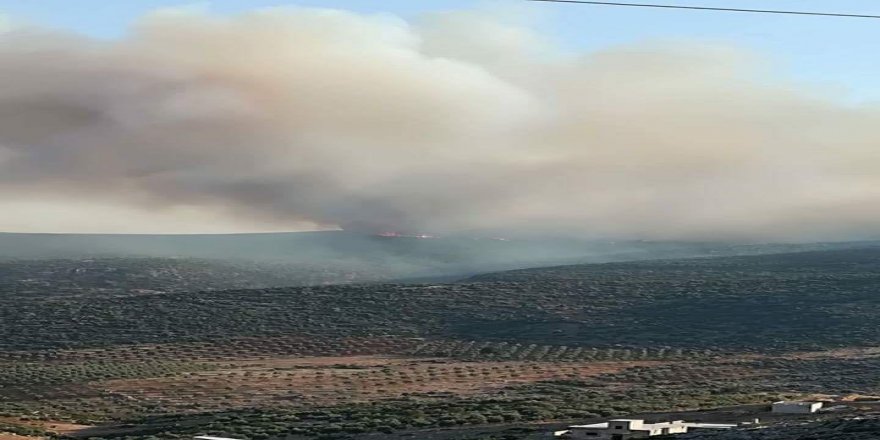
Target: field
{"x":500,"y":352}
{"x":176,"y":392}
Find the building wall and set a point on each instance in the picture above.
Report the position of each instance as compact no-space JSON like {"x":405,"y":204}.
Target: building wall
{"x":678,"y":429}
{"x":598,"y":434}
{"x":624,"y":430}
{"x":671,"y":429}
{"x":794,"y":408}
{"x":609,"y":434}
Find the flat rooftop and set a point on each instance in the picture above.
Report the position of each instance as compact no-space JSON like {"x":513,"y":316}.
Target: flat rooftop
{"x":603,"y":425}
{"x":207,"y":437}
{"x":710,"y":425}
{"x":650,"y":426}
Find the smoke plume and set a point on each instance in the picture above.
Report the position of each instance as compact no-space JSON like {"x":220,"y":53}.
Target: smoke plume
{"x":292,"y":118}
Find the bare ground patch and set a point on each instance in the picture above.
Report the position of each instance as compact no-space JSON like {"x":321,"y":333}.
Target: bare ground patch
{"x":53,"y":426}
{"x":329,"y":380}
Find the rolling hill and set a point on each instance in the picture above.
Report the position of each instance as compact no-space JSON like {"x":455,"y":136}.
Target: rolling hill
{"x":789,"y":301}
{"x":130,"y":352}
{"x":301,"y":258}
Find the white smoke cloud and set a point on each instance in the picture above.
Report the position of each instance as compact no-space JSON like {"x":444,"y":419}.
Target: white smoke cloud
{"x":291,"y":118}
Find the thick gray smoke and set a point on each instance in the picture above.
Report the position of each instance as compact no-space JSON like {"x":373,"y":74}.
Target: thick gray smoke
{"x":458,"y":122}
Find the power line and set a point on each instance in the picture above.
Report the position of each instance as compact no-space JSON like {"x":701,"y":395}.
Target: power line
{"x":707,"y":8}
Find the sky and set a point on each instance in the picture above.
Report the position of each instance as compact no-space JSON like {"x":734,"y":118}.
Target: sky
{"x":440,"y":117}
{"x":833,"y":51}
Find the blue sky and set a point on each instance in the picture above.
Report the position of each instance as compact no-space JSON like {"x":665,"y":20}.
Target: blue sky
{"x":833,"y":51}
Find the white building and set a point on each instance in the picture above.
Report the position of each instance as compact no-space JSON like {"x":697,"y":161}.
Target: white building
{"x":625,"y":429}
{"x":208,"y":437}
{"x":784,"y":407}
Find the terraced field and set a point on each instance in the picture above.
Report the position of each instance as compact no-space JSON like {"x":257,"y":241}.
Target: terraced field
{"x":502,"y":349}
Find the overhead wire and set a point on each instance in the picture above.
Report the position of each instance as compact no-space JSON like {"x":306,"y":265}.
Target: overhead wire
{"x":710,"y":8}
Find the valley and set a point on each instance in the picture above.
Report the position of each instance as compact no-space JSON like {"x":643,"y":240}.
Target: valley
{"x":510,"y":352}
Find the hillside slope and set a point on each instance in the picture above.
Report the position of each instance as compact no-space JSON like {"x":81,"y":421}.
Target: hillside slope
{"x":853,"y":428}
{"x":775,"y":302}
{"x":383,"y":361}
